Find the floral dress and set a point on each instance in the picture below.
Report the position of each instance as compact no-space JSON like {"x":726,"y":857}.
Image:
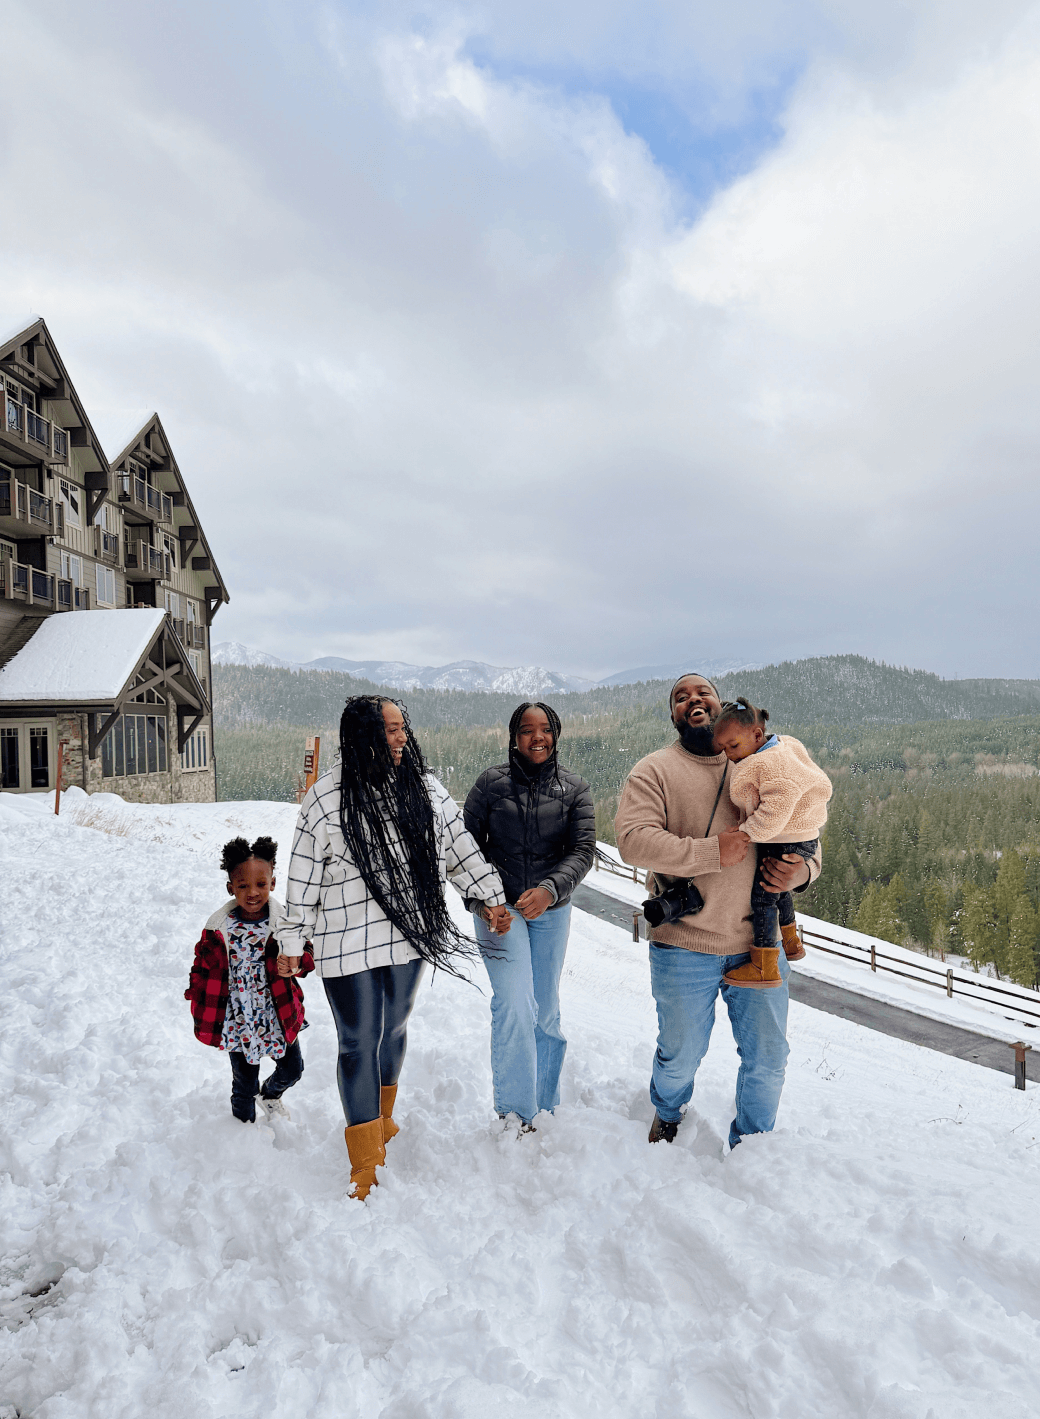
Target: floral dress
{"x":251,"y":1024}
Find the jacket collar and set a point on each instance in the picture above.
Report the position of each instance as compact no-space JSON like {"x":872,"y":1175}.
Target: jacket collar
{"x":276,"y":913}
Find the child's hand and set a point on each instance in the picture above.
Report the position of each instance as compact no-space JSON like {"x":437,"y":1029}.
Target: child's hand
{"x":288,"y":965}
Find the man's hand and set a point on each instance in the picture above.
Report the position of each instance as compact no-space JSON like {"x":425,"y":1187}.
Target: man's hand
{"x":288,"y":965}
{"x":780,"y":874}
{"x":498,"y":919}
{"x":733,"y":846}
{"x":533,"y":902}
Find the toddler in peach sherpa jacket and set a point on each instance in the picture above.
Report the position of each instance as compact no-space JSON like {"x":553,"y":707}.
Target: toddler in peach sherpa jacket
{"x":784,"y":795}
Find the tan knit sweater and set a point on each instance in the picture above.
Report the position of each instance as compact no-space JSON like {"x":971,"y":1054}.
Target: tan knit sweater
{"x":660,"y":823}
{"x":783,"y":793}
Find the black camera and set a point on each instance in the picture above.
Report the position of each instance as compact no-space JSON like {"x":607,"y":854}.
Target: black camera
{"x":680,"y":899}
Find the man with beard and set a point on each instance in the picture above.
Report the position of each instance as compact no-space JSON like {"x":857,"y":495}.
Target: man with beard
{"x":676,"y":819}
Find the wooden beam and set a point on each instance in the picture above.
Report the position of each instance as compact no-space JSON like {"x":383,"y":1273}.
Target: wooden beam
{"x":201,"y":564}
{"x":79,"y":437}
{"x":183,"y":735}
{"x":94,"y":501}
{"x":96,"y":735}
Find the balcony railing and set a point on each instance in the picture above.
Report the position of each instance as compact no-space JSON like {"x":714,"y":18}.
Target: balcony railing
{"x":147,"y":560}
{"x":32,"y":428}
{"x":81,"y":599}
{"x":25,"y":504}
{"x":106,"y":546}
{"x":64,"y":595}
{"x":135,"y":490}
{"x":19,"y":582}
{"x":200,"y":637}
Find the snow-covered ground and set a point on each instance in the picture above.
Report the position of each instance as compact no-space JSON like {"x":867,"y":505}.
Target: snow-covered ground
{"x":1008,"y":1013}
{"x":879,"y":1255}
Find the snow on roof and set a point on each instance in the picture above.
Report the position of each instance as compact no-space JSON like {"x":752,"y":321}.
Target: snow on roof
{"x":8,"y":333}
{"x":80,"y":656}
{"x":118,"y":430}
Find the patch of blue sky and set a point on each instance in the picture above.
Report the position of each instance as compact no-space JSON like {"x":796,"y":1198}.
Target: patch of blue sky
{"x":699,"y":151}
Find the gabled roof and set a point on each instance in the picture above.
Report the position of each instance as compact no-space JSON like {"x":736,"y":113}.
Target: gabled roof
{"x":133,"y":441}
{"x":93,"y":658}
{"x":49,"y":370}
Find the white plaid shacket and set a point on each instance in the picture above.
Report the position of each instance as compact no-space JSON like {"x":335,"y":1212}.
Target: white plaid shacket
{"x":328,"y":904}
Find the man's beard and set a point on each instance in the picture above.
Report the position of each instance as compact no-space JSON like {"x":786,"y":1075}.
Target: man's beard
{"x":698,"y":739}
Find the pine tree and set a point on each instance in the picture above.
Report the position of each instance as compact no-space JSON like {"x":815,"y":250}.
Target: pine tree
{"x":1023,"y":943}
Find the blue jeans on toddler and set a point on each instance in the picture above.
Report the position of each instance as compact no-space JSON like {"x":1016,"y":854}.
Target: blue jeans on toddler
{"x":245,"y":1080}
{"x":685,"y":985}
{"x":766,"y":907}
{"x":527,"y":1044}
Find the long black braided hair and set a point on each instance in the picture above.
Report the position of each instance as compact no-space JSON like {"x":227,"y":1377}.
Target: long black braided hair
{"x":388,"y":827}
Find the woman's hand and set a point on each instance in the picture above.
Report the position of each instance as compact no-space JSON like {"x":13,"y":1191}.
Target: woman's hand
{"x":498,"y":919}
{"x":733,"y":846}
{"x":780,"y":874}
{"x":288,"y":965}
{"x":533,"y":902}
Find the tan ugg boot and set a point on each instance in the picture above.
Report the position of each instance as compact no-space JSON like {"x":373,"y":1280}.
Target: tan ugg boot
{"x":387,"y":1098}
{"x":793,"y":948}
{"x":367,"y":1152}
{"x":762,"y":972}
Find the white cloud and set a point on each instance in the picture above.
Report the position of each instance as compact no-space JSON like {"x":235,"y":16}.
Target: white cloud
{"x":449,"y":378}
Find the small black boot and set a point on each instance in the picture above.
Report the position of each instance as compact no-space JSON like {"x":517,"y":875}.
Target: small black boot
{"x":661,"y":1131}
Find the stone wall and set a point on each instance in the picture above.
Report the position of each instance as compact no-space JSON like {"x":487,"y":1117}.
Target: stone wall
{"x":174,"y":786}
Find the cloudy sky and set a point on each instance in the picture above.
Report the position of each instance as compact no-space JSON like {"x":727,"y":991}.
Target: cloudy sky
{"x":589,"y":336}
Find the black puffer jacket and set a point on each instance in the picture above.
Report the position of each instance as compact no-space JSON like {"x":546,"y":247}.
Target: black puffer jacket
{"x":534,"y":829}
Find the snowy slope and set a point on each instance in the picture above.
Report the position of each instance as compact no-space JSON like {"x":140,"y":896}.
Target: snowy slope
{"x":876,"y":1256}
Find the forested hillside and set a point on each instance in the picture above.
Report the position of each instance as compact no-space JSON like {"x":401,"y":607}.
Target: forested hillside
{"x":842,"y":689}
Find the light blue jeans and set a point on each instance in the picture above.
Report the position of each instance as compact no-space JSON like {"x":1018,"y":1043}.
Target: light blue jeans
{"x":527,"y":1044}
{"x":685,"y":984}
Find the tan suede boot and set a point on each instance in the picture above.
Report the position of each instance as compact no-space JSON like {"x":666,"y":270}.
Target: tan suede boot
{"x":367,"y":1152}
{"x":387,"y":1098}
{"x":762,"y":972}
{"x":793,"y":948}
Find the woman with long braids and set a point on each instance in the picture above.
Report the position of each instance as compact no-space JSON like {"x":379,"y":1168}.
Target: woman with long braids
{"x":374,"y":840}
{"x":537,"y":824}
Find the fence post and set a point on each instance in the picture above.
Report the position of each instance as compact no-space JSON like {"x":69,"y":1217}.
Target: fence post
{"x":635,"y":874}
{"x":635,"y":926}
{"x":63,"y":745}
{"x":1020,"y":1063}
{"x":873,"y":956}
{"x":949,"y":982}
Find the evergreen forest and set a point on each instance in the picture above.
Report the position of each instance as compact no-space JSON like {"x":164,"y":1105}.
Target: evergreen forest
{"x":933,"y":838}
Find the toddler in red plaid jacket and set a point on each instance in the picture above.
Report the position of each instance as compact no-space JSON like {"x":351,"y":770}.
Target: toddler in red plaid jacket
{"x":244,"y":998}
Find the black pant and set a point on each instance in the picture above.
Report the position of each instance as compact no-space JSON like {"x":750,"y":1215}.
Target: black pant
{"x":767,"y":906}
{"x":371,"y":1012}
{"x":245,"y":1079}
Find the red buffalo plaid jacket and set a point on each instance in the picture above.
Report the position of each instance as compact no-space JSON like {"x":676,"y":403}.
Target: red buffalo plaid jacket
{"x":208,"y":983}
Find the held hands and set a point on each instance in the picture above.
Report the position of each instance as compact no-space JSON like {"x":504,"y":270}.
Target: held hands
{"x":533,"y":902}
{"x":288,"y":965}
{"x":497,"y":918}
{"x":733,"y":846}
{"x":780,"y":874}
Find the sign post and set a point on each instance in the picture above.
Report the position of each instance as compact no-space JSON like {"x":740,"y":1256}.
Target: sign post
{"x":310,"y":764}
{"x":63,"y":745}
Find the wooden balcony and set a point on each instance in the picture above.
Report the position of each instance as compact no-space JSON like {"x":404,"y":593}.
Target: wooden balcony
{"x":33,"y":433}
{"x":139,"y":494}
{"x":145,"y":561}
{"x":32,"y":587}
{"x":106,"y":547}
{"x":37,"y":513}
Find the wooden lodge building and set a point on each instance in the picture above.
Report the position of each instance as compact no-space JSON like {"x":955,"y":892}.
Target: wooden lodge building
{"x":126,"y":687}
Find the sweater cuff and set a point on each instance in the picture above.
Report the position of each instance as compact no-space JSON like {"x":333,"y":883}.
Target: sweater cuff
{"x":548,"y":885}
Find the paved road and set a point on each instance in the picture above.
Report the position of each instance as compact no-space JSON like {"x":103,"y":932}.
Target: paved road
{"x":860,"y":1009}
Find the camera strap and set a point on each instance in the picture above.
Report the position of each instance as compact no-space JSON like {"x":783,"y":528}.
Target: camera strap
{"x":722,"y":784}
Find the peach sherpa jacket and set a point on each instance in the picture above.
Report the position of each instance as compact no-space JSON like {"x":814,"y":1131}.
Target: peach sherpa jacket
{"x":783,"y":793}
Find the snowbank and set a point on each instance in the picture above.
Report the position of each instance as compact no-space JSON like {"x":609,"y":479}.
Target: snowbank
{"x":876,"y":1256}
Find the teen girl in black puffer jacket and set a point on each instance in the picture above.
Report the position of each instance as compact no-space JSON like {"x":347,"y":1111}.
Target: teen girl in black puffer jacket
{"x":536,"y":823}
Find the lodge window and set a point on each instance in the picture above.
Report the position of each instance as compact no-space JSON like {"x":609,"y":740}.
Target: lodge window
{"x":25,"y":756}
{"x":106,"y":585}
{"x":195,"y":754}
{"x":70,"y":496}
{"x":136,"y":744}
